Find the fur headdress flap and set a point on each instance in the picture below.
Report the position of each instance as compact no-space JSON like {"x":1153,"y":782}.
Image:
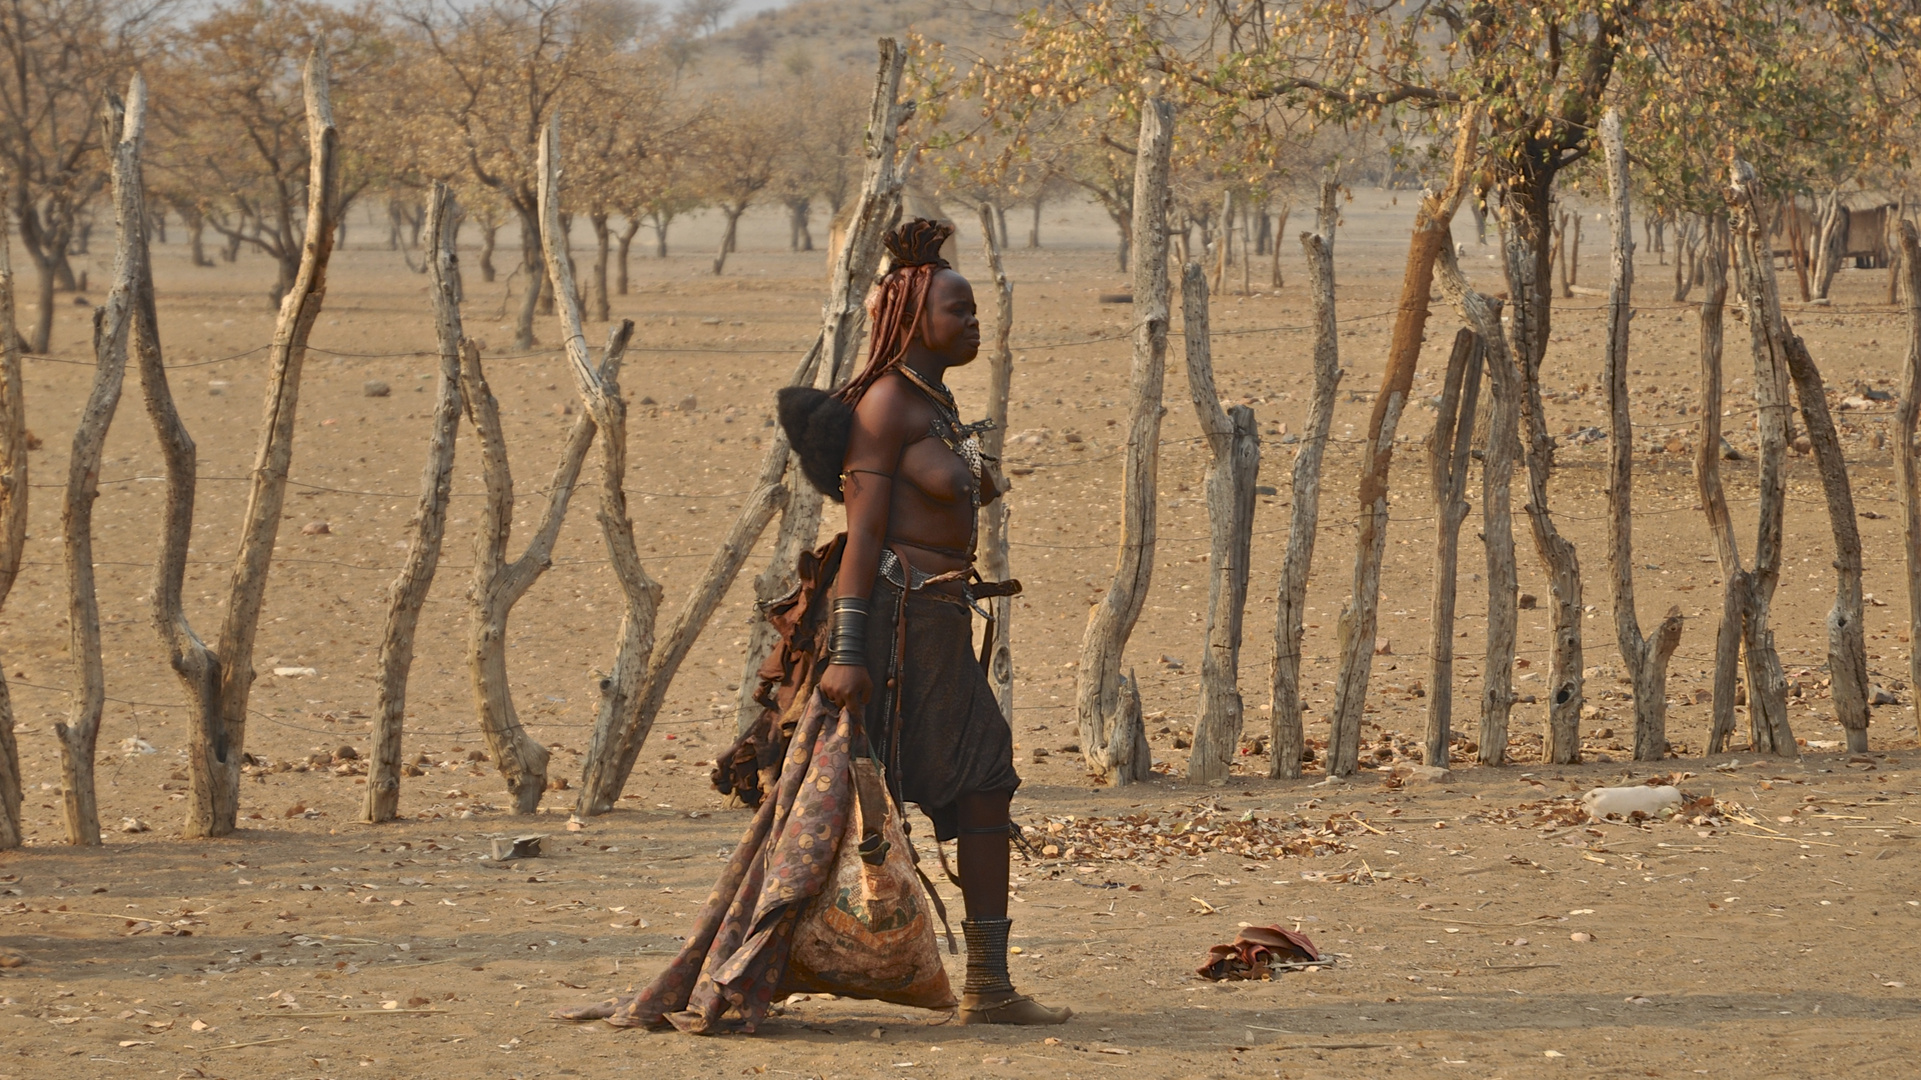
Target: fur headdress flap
{"x":818,"y":425}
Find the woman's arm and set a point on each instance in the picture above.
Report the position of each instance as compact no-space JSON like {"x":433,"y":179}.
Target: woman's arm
{"x":868,"y":476}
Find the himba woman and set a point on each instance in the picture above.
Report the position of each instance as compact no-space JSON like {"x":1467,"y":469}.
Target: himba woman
{"x":914,"y":479}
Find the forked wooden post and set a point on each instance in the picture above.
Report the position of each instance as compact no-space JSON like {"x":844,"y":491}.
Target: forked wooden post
{"x":408,"y":593}
{"x":218,"y":681}
{"x":995,"y":565}
{"x":1768,"y":729}
{"x":1483,"y":316}
{"x":831,"y":361}
{"x":1235,"y":464}
{"x":1447,"y":462}
{"x":13,"y":531}
{"x":1646,"y":658}
{"x":1907,"y":460}
{"x":1735,"y":581}
{"x":1106,"y":702}
{"x":1304,"y":511}
{"x":124,"y":125}
{"x":1359,"y":617}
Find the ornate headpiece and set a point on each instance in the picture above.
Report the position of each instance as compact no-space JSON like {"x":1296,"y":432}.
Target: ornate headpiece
{"x":918,"y":242}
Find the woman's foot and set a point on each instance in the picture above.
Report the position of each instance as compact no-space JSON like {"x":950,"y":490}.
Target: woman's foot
{"x":1008,"y":1007}
{"x":989,"y":996}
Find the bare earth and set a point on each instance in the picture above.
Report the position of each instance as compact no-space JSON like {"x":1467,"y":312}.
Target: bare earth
{"x":1480,"y":928}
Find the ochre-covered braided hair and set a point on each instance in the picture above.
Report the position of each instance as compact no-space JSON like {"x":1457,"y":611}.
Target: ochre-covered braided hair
{"x":894,"y":311}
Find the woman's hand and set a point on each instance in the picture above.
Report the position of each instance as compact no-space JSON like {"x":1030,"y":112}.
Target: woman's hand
{"x":847,"y":685}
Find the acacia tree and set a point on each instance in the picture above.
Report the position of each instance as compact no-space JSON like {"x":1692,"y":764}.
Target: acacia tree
{"x":58,"y":60}
{"x":487,"y":77}
{"x":233,"y":125}
{"x":745,"y":150}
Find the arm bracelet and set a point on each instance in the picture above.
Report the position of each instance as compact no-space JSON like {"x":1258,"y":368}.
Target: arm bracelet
{"x":848,"y":638}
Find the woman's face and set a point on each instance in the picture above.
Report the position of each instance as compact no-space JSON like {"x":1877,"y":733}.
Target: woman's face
{"x":949,"y":328}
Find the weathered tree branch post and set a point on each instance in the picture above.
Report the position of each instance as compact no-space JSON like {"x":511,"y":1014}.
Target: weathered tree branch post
{"x":1646,"y":658}
{"x":1358,"y":618}
{"x":124,"y":125}
{"x":1907,"y":459}
{"x":1754,"y":260}
{"x":1448,"y":461}
{"x":13,"y":532}
{"x":1735,"y":581}
{"x":1304,"y":512}
{"x":1847,"y":636}
{"x":831,"y":361}
{"x":1483,"y":316}
{"x":1236,"y":462}
{"x":218,"y":680}
{"x":1109,"y":704}
{"x":611,"y":758}
{"x":408,"y":593}
{"x":995,"y":563}
{"x":601,"y":400}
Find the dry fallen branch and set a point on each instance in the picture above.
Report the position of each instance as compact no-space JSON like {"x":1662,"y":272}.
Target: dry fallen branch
{"x":13,"y":530}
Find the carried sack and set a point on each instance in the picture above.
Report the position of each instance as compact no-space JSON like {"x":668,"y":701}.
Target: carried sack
{"x":870,"y":932}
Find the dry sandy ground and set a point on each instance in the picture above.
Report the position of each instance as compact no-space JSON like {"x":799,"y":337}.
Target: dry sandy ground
{"x":1770,"y":941}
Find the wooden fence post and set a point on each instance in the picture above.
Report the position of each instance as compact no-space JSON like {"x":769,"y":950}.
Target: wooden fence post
{"x":13,"y":532}
{"x":1304,"y":513}
{"x":1735,"y":580}
{"x":1907,"y":460}
{"x":124,"y":125}
{"x":1236,"y":463}
{"x":831,"y":361}
{"x":610,"y":762}
{"x":1646,"y":658}
{"x":409,"y":591}
{"x":1483,"y":316}
{"x":1768,"y":729}
{"x":1358,"y":619}
{"x":995,"y":564}
{"x":1448,"y":461}
{"x":1108,"y":703}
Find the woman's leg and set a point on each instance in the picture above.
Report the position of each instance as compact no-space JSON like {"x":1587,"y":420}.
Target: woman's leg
{"x":989,"y":996}
{"x":982,"y":849}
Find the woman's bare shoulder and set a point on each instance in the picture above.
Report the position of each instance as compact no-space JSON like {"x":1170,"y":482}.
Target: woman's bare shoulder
{"x":891,"y":404}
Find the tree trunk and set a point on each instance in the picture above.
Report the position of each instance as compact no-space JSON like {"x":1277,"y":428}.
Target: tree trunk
{"x":78,"y":734}
{"x":1767,"y":685}
{"x":1274,"y":278}
{"x":612,"y":754}
{"x":409,"y":591}
{"x":1235,"y":449}
{"x":1735,"y":582}
{"x":534,"y":282}
{"x":1358,"y":617}
{"x":1108,"y":703}
{"x":733,"y":212}
{"x":1847,"y":641}
{"x":995,"y":564}
{"x":660,"y":235}
{"x":1646,"y":658}
{"x":489,"y":233}
{"x":1284,"y":705}
{"x":1526,"y":251}
{"x":197,"y":240}
{"x":1907,"y":460}
{"x":43,"y":314}
{"x":1831,"y":236}
{"x":1034,"y":225}
{"x":625,"y":238}
{"x":13,"y":532}
{"x":1224,"y":254}
{"x":603,"y":307}
{"x":1448,"y":462}
{"x":1483,"y":316}
{"x":1574,"y":254}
